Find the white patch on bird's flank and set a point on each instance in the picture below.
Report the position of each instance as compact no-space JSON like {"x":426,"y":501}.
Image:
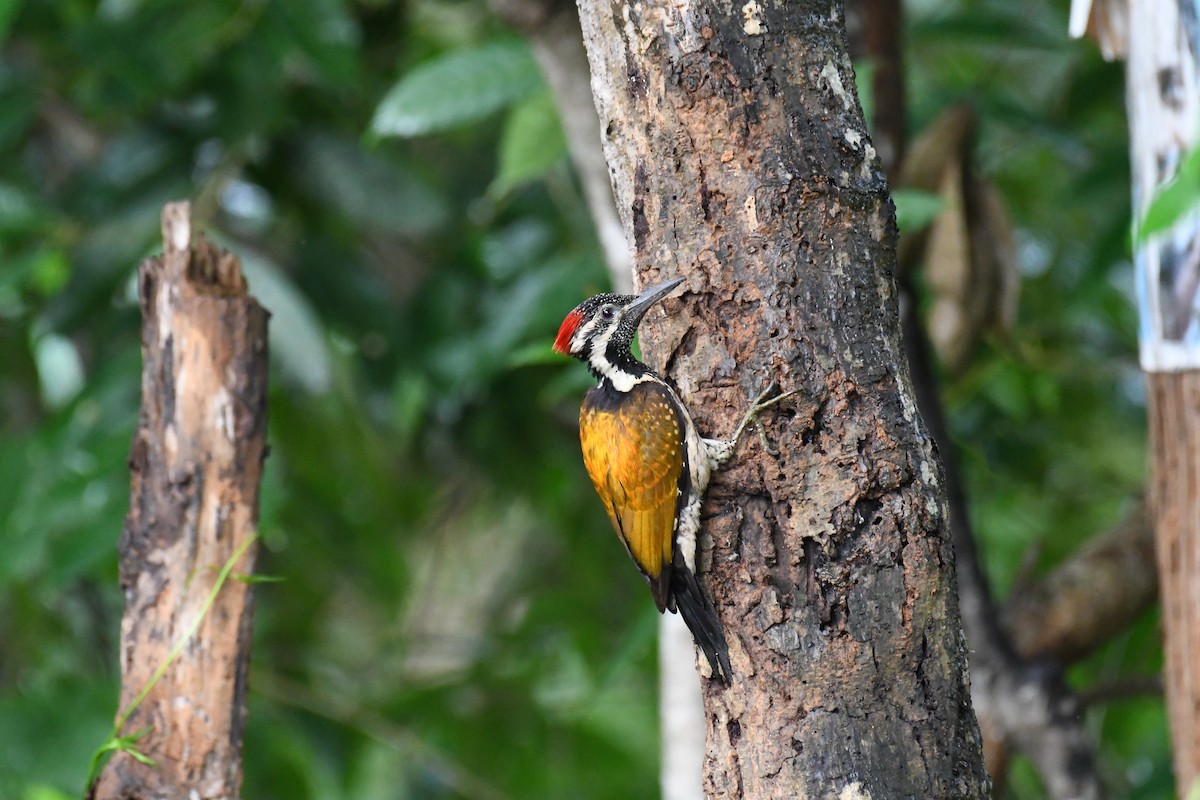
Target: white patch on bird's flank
{"x":753,"y":25}
{"x":705,"y":456}
{"x":686,"y":528}
{"x":833,"y":80}
{"x":854,"y":791}
{"x":687,"y":524}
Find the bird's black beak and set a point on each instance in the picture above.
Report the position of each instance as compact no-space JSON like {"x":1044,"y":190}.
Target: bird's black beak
{"x":641,"y":304}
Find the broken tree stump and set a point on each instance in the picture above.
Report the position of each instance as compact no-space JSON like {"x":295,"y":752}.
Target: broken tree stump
{"x":196,"y":465}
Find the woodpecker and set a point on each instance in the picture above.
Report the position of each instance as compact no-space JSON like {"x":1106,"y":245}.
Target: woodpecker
{"x":649,"y":464}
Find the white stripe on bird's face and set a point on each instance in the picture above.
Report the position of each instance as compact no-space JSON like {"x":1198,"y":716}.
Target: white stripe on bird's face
{"x":579,"y":340}
{"x":621,"y":380}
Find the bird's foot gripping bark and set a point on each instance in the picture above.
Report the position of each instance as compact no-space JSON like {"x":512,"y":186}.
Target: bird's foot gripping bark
{"x":760,"y":404}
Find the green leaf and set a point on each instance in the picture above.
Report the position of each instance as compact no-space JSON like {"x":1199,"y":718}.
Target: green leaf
{"x":915,"y":209}
{"x":1176,"y":198}
{"x":119,"y":744}
{"x":456,"y":88}
{"x":411,"y":397}
{"x":49,"y":271}
{"x":531,"y":143}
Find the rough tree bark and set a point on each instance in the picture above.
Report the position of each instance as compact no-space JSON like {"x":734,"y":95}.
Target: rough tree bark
{"x":196,"y":463}
{"x":740,"y":160}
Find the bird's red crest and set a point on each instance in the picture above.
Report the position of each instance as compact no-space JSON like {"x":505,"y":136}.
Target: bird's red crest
{"x":562,"y":342}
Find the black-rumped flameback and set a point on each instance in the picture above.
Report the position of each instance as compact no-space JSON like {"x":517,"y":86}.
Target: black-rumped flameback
{"x":648,"y":463}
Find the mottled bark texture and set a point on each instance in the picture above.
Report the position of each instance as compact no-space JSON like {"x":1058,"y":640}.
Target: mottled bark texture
{"x":196,"y":463}
{"x":1174,"y":405}
{"x":740,"y":160}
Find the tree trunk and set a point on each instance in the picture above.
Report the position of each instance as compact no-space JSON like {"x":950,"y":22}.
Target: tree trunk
{"x":1163,"y":97}
{"x":740,"y":159}
{"x":1174,"y":399}
{"x":196,"y":463}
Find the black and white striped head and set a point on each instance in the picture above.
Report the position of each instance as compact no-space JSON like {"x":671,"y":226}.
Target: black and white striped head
{"x":600,"y":330}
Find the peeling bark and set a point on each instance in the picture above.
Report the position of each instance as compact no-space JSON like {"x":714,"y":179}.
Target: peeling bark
{"x":196,"y":463}
{"x":740,"y":160}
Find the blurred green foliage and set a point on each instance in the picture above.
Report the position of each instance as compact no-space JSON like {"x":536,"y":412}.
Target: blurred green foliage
{"x":454,"y":618}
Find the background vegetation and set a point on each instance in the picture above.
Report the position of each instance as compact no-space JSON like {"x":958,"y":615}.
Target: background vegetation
{"x":453,"y":618}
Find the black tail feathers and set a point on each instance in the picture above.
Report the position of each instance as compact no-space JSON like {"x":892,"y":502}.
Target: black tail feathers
{"x":701,"y":618}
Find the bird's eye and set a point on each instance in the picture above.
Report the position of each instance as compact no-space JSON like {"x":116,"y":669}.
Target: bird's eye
{"x":608,"y":312}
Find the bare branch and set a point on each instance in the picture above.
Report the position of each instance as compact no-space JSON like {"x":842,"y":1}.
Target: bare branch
{"x":1096,"y":592}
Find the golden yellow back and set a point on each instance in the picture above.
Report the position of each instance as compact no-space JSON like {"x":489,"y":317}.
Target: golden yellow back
{"x":633,"y":451}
